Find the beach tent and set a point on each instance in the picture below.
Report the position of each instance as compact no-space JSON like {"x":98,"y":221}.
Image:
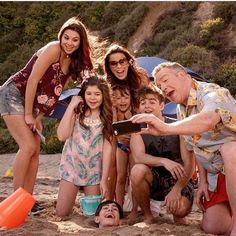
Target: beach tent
{"x":63,"y":102}
{"x":149,"y":63}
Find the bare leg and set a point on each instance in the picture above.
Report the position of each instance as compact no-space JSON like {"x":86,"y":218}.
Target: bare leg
{"x":184,"y":210}
{"x":66,"y":198}
{"x":215,"y":214}
{"x":134,"y":212}
{"x":112,"y":172}
{"x":91,"y":190}
{"x":141,"y":178}
{"x":228,"y":152}
{"x":27,"y":156}
{"x":121,"y":165}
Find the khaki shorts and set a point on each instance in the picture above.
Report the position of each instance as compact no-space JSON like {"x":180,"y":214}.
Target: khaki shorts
{"x":12,"y":103}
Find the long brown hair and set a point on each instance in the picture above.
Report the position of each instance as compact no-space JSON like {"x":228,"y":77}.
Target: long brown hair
{"x":136,"y":76}
{"x":81,"y":58}
{"x":105,"y":108}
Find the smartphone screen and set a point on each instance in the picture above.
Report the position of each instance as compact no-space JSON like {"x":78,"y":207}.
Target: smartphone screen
{"x":126,"y":127}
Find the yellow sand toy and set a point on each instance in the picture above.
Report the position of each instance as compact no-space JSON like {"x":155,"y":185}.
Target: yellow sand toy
{"x":9,"y":173}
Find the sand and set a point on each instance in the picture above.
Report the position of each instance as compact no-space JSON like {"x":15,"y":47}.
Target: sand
{"x":47,"y":223}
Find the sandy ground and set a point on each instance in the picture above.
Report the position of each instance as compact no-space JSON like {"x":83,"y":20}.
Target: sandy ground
{"x":48,"y":224}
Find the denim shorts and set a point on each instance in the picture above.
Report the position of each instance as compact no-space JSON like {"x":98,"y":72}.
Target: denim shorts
{"x":12,"y":102}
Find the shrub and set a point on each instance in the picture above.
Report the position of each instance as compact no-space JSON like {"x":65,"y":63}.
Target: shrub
{"x":226,"y":77}
{"x":7,"y":143}
{"x":52,"y":145}
{"x":225,"y":10}
{"x":16,"y":60}
{"x":127,"y":26}
{"x":208,"y":30}
{"x":197,"y":58}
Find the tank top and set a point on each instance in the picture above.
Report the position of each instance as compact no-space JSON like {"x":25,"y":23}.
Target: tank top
{"x":49,"y":87}
{"x":163,"y":146}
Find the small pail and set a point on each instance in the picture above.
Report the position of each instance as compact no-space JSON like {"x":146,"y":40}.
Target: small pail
{"x":89,"y":204}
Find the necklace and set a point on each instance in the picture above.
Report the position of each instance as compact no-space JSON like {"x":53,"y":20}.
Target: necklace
{"x":89,"y":120}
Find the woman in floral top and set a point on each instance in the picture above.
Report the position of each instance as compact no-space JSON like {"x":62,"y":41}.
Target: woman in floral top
{"x":33,"y":92}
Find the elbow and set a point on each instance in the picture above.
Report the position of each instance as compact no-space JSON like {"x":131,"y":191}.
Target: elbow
{"x":60,"y":136}
{"x":210,"y":120}
{"x":137,"y":159}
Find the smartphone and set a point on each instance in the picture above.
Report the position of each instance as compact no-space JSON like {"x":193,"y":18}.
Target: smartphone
{"x":127,"y":127}
{"x":43,"y":139}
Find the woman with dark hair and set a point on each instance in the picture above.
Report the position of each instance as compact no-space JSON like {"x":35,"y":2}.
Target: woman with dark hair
{"x":34,"y":91}
{"x":120,"y":68}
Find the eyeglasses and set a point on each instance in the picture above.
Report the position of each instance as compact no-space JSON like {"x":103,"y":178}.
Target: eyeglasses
{"x":122,"y":62}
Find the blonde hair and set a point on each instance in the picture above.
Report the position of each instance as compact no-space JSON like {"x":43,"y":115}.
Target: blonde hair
{"x":169,"y":65}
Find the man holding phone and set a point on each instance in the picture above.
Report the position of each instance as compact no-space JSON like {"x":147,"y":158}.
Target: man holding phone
{"x":163,"y":167}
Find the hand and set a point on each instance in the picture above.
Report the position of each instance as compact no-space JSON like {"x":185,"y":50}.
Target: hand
{"x":155,"y":126}
{"x":104,"y":189}
{"x":176,"y":169}
{"x":202,"y":195}
{"x":30,"y":122}
{"x":172,"y":201}
{"x":75,"y":101}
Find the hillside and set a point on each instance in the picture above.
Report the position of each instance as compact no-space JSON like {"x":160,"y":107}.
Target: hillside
{"x":199,"y":35}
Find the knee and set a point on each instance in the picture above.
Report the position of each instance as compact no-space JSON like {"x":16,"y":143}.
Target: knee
{"x":137,"y":173}
{"x":31,"y":149}
{"x":212,"y":229}
{"x":61,"y":211}
{"x":184,"y":209}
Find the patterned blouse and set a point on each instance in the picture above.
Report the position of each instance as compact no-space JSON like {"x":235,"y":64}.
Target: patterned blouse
{"x":49,"y":87}
{"x":81,"y":161}
{"x":210,"y":97}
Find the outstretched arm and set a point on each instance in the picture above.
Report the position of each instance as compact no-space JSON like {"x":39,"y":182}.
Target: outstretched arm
{"x":191,"y":125}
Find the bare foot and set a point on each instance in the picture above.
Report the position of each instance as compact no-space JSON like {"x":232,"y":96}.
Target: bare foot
{"x":149,"y":220}
{"x":133,"y":215}
{"x":180,"y":221}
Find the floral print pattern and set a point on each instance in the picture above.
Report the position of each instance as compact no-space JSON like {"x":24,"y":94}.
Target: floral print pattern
{"x":49,"y":87}
{"x":210,"y":97}
{"x":81,"y":161}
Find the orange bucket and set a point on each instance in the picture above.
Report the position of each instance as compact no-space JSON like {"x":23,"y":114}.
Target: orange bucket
{"x":15,"y":208}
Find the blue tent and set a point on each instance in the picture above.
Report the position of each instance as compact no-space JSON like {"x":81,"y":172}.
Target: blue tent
{"x":149,"y":63}
{"x":63,"y":102}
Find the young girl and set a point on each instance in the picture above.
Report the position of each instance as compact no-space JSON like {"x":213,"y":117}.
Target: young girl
{"x":121,"y":101}
{"x":86,"y":155}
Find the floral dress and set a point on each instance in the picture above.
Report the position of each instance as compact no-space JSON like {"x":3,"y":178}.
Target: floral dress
{"x":81,"y":161}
